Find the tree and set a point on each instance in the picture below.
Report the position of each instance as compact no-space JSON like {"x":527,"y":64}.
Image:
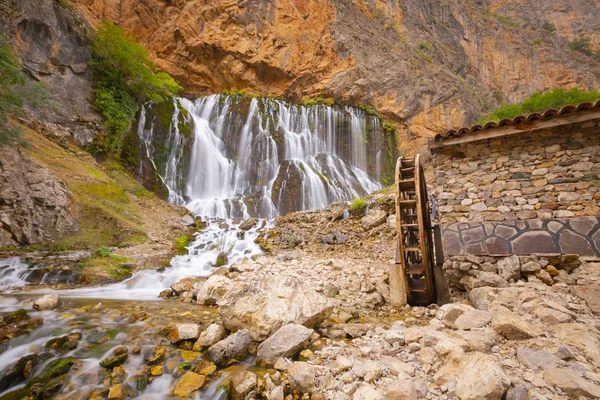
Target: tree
{"x":124,"y":77}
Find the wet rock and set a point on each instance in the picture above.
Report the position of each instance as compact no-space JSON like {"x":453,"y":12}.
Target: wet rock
{"x":571,"y":383}
{"x":248,"y":224}
{"x":181,"y":332}
{"x":156,"y":370}
{"x":184,"y":285}
{"x":210,"y":336}
{"x":15,"y":317}
{"x":234,"y":347}
{"x":511,"y":326}
{"x":120,"y":350}
{"x":285,"y":342}
{"x":47,"y":302}
{"x":265,"y":306}
{"x":188,"y":383}
{"x":65,"y":343}
{"x":165,"y":294}
{"x":112,"y":362}
{"x":121,"y":391}
{"x":154,"y":356}
{"x":373,"y":219}
{"x":242,"y":384}
{"x":303,"y":375}
{"x":204,"y":367}
{"x":17,"y":372}
{"x":53,"y":370}
{"x":213,"y":289}
{"x":480,"y":377}
{"x":98,"y":336}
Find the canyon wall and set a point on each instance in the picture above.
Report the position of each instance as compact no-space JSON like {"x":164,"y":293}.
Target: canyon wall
{"x":428,"y":64}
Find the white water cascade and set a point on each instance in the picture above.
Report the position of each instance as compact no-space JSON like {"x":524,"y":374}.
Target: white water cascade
{"x":262,"y":157}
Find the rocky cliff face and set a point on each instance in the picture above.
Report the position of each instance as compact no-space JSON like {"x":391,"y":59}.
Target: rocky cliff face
{"x":34,"y":204}
{"x":429,"y":64}
{"x":49,"y":38}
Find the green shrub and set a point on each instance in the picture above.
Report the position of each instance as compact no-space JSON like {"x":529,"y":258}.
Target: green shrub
{"x":389,"y":128}
{"x":538,"y":102}
{"x":424,"y":45}
{"x":124,"y":77}
{"x":181,"y":243}
{"x":370,"y":110}
{"x":549,"y":27}
{"x":581,"y":44}
{"x":358,"y":204}
{"x":103,"y":251}
{"x":15,"y":89}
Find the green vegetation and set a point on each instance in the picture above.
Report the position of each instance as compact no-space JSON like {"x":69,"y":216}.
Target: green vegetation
{"x":103,"y":251}
{"x":181,"y":243}
{"x":425,"y":51}
{"x":389,"y":128}
{"x":424,"y":45}
{"x":503,"y":19}
{"x":319,"y":100}
{"x":540,"y":102}
{"x":583,"y":45}
{"x":241,"y":93}
{"x":358,"y":204}
{"x":370,"y":110}
{"x":15,"y":90}
{"x":549,"y":27}
{"x":124,"y":77}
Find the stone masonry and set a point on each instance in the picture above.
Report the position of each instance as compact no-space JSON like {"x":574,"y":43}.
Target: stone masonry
{"x":533,"y":192}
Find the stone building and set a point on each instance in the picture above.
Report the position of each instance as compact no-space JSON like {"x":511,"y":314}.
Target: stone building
{"x":528,"y":185}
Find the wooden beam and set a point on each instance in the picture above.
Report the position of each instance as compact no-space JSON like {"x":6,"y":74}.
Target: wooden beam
{"x":508,"y":130}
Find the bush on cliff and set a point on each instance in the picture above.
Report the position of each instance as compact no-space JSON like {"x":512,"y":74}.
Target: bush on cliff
{"x":15,"y":89}
{"x":124,"y":77}
{"x":538,"y":102}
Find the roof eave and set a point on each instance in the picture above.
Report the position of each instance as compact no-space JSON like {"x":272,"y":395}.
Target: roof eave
{"x":508,"y":130}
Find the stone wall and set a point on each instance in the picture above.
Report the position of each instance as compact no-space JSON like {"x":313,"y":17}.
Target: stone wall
{"x":564,"y":236}
{"x":533,"y":175}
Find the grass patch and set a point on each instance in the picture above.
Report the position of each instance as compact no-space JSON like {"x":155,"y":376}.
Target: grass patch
{"x":370,"y":110}
{"x":358,"y":204}
{"x":106,"y":215}
{"x":319,"y":101}
{"x":540,"y":102}
{"x":387,"y":190}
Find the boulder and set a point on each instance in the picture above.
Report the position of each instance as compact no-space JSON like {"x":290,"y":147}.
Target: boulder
{"x":181,"y":332}
{"x":511,"y":326}
{"x":538,"y":359}
{"x":242,"y":384}
{"x":17,"y":372}
{"x":303,"y":375}
{"x":285,"y":342}
{"x":482,"y":297}
{"x":367,"y":392}
{"x":373,"y":219}
{"x":233,"y":347}
{"x":114,"y":361}
{"x":248,"y":224}
{"x":187,"y":220}
{"x":481,"y":378}
{"x":571,"y":383}
{"x":275,"y":301}
{"x":213,"y":289}
{"x":591,"y":295}
{"x":188,"y":383}
{"x":472,"y":319}
{"x":581,"y":336}
{"x":47,"y":302}
{"x":184,"y":285}
{"x":210,"y":336}
{"x":519,"y":392}
{"x":401,"y":389}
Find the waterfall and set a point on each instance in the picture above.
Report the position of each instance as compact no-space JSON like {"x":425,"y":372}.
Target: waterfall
{"x":228,"y":156}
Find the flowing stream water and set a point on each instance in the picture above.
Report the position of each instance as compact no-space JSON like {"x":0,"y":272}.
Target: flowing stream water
{"x":226,"y":158}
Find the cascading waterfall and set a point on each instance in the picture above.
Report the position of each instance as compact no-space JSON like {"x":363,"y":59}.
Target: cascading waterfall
{"x":232,"y":157}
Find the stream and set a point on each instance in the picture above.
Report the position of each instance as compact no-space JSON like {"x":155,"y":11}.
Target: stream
{"x":226,"y":159}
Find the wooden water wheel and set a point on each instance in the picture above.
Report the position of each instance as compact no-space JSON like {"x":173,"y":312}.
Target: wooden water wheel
{"x":414,"y":250}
